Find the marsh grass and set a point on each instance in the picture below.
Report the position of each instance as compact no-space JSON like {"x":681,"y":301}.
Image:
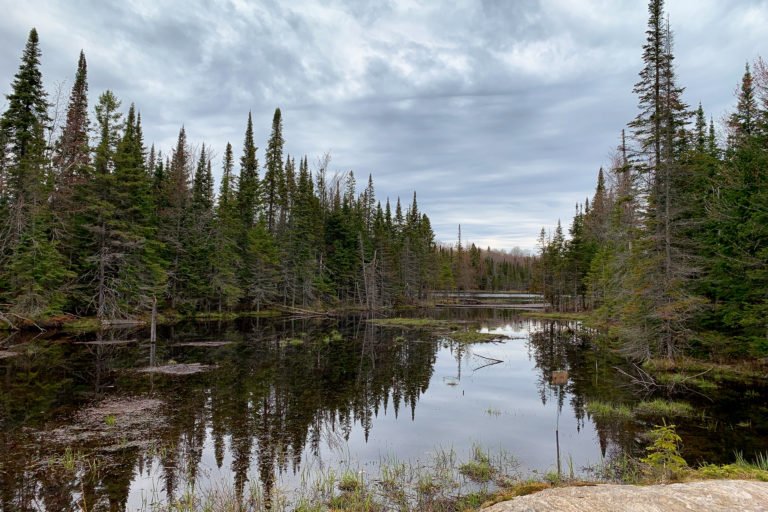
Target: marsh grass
{"x":664,"y":409}
{"x":705,"y":370}
{"x":609,"y":411}
{"x":741,"y":468}
{"x":685,"y":380}
{"x":439,"y":484}
{"x":479,"y":468}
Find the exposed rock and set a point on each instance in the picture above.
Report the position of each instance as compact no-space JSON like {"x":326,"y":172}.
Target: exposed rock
{"x":709,"y":495}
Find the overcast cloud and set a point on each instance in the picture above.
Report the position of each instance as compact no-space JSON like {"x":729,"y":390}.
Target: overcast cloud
{"x":497,"y":112}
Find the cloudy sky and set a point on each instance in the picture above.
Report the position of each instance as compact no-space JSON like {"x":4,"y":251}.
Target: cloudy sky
{"x":497,"y":112}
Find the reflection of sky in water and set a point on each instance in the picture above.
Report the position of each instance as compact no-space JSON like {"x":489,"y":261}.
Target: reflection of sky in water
{"x":468,"y":402}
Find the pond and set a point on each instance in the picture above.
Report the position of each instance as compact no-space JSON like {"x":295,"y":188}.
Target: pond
{"x":273,"y":401}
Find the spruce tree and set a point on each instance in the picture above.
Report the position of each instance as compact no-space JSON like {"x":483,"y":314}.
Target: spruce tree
{"x":23,"y":125}
{"x":248,"y":188}
{"x":174,"y":217}
{"x":139,"y":265}
{"x":32,"y":269}
{"x":71,"y":159}
{"x":274,"y":180}
{"x":227,"y":261}
{"x":72,"y":150}
{"x":743,"y":122}
{"x":661,"y":277}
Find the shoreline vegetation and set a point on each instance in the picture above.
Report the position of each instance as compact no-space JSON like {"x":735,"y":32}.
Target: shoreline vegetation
{"x":440,"y":483}
{"x":684,"y":370}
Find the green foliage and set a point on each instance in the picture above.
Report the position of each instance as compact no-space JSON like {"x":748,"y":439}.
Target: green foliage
{"x":664,"y":408}
{"x":604,"y":410}
{"x":663,"y":460}
{"x":672,"y":254}
{"x":479,"y":469}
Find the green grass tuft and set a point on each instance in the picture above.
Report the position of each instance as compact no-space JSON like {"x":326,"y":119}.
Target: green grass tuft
{"x":609,"y":411}
{"x":664,"y":408}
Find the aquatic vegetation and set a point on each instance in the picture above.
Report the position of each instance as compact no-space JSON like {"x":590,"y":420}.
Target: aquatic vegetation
{"x":664,"y":408}
{"x":606,"y":410}
{"x":333,"y":337}
{"x":467,"y":337}
{"x":685,"y":380}
{"x":705,"y":370}
{"x":415,"y":323}
{"x":479,"y":468}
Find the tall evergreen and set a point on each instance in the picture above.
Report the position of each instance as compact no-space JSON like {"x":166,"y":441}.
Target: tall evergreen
{"x":226,"y":262}
{"x":24,"y":124}
{"x":662,"y":269}
{"x":140,"y":272}
{"x":72,"y":150}
{"x":248,"y":188}
{"x":174,"y":217}
{"x":273,"y":184}
{"x":71,"y":160}
{"x":32,"y":270}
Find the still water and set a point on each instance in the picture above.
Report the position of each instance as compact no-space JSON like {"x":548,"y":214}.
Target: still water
{"x":283,"y":399}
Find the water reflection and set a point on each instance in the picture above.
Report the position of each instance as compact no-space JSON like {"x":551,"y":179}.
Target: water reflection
{"x":292,"y":394}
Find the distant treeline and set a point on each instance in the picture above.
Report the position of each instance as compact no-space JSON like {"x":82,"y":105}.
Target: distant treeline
{"x":95,"y":223}
{"x":672,"y":250}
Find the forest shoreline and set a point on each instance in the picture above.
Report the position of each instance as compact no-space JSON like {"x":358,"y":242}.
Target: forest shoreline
{"x":658,"y":371}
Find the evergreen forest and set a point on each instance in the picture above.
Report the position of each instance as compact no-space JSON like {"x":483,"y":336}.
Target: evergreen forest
{"x":671,"y":252}
{"x":96,"y":224}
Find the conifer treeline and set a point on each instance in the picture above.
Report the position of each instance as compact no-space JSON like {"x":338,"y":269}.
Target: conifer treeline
{"x":95,"y":223}
{"x":672,"y":250}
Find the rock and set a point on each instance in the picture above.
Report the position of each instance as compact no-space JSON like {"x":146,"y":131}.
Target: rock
{"x":709,"y":495}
